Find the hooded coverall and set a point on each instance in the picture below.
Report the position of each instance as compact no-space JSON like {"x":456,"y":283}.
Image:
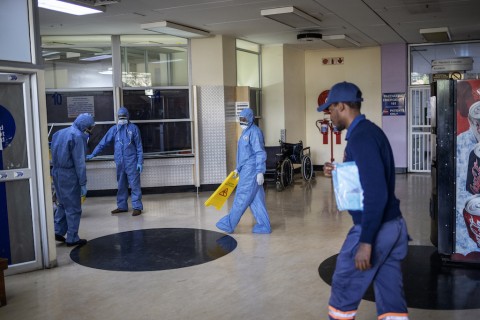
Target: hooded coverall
{"x":251,"y":158}
{"x":68,"y":147}
{"x":128,"y":157}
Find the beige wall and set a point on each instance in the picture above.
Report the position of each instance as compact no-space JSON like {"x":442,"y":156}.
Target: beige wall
{"x":362,"y":67}
{"x":213,"y":61}
{"x":273,"y":112}
{"x":283,"y":93}
{"x":294,"y":94}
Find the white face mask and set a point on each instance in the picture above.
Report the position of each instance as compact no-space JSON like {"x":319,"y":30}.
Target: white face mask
{"x":243,"y":126}
{"x":122,"y":121}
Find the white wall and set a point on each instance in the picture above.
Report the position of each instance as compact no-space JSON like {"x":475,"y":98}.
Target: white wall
{"x":362,"y":67}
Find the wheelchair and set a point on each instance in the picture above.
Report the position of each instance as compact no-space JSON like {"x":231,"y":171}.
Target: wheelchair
{"x":280,"y":161}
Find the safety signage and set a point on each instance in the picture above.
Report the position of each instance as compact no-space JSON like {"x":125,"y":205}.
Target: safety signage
{"x":223,"y":192}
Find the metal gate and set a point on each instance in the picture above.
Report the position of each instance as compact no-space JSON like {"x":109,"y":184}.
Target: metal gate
{"x":419,"y":137}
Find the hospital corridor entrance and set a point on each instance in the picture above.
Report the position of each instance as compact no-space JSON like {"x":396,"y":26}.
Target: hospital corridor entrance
{"x":171,"y":262}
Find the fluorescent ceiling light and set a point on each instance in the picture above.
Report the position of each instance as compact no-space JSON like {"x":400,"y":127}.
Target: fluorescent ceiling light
{"x":77,"y":9}
{"x":175,"y":29}
{"x":436,"y":34}
{"x":291,"y":17}
{"x":99,"y":57}
{"x":340,"y":41}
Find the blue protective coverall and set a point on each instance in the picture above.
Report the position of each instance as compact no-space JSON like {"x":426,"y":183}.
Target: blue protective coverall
{"x":69,"y":173}
{"x":251,"y":158}
{"x":128,"y":157}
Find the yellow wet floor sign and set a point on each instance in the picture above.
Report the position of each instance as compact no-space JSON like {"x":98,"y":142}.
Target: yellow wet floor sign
{"x":220,"y":196}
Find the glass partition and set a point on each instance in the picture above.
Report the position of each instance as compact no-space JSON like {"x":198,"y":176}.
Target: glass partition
{"x":155,"y":88}
{"x":77,"y":61}
{"x":154,"y":66}
{"x":439,"y":61}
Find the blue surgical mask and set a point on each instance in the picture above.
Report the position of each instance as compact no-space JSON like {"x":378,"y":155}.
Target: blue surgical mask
{"x":122,"y":121}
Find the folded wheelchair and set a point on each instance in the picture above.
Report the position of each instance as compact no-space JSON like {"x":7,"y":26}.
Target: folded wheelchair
{"x":280,"y":161}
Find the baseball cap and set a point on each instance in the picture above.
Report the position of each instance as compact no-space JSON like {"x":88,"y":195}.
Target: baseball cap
{"x":342,"y":92}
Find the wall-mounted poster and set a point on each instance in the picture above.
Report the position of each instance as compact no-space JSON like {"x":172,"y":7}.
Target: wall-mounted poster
{"x":393,"y":104}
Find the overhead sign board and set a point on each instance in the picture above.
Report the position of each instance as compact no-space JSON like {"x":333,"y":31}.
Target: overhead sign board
{"x":454,"y":64}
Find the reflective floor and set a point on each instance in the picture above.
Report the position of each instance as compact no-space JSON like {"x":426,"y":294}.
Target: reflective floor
{"x":265,"y":277}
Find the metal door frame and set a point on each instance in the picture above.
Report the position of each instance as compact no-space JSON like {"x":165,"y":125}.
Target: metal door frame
{"x":424,"y":146}
{"x":34,"y":169}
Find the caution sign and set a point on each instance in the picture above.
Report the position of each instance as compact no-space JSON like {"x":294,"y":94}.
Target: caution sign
{"x":223,"y":192}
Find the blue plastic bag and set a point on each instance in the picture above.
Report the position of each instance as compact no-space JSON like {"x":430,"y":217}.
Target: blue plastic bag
{"x":347,"y":186}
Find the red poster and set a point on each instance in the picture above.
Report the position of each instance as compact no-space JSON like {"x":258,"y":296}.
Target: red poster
{"x":467,"y":224}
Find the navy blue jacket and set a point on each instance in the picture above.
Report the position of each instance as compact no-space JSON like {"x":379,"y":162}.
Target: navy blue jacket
{"x":368,"y":146}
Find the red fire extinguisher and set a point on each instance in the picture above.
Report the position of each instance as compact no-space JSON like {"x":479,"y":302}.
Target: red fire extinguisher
{"x":338,"y":135}
{"x":324,"y":126}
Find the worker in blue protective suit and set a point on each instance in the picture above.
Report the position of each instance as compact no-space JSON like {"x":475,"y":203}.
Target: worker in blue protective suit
{"x":128,"y":157}
{"x":251,"y":158}
{"x":69,"y":174}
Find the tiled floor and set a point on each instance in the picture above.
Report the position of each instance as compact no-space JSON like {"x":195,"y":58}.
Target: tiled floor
{"x":266,"y":277}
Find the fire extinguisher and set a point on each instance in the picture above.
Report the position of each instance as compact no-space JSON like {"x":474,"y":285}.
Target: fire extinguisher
{"x":324,"y":126}
{"x":338,"y":135}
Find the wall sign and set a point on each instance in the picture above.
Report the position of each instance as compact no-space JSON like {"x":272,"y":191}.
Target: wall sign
{"x":333,"y":60}
{"x":7,"y":127}
{"x":79,"y":105}
{"x":393,"y":104}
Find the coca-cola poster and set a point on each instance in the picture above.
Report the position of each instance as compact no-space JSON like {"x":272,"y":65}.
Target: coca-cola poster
{"x":467,"y":222}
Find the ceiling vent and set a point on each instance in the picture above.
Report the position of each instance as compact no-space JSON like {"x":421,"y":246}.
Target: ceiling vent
{"x":436,"y":34}
{"x":309,"y":36}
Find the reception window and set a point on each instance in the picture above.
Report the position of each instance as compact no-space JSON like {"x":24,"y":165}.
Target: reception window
{"x":152,"y":84}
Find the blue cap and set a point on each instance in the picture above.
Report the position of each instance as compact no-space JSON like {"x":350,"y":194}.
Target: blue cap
{"x":342,"y":92}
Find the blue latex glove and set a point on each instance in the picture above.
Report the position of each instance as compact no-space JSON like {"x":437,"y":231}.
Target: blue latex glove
{"x":83,"y":192}
{"x":139,"y":168}
{"x":90,"y":156}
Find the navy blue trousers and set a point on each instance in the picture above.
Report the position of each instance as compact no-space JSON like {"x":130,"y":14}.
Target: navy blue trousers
{"x":349,"y":284}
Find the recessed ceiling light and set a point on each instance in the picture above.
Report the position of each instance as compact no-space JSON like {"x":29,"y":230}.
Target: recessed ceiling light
{"x":77,"y":9}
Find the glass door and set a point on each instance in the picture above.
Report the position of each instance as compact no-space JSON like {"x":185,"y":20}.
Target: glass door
{"x":19,"y":221}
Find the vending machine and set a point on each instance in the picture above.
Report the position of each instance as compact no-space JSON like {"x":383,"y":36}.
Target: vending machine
{"x":455,"y":201}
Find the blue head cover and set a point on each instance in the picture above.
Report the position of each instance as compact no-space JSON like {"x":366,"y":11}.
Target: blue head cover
{"x":123,"y":113}
{"x":84,"y":121}
{"x":342,"y":92}
{"x":247,"y":114}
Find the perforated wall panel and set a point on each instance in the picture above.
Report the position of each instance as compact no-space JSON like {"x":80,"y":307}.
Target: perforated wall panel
{"x":211,"y":118}
{"x":101,"y":175}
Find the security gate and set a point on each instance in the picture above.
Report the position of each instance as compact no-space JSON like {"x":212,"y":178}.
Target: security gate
{"x":419,"y":140}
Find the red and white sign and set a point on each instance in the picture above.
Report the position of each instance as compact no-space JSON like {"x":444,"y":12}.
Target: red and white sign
{"x":333,"y":60}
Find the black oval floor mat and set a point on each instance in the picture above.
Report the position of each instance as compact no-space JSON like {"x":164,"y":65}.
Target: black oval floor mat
{"x":153,"y":249}
{"x":428,"y":283}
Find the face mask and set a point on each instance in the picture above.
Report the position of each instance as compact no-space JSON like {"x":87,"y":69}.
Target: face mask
{"x":122,"y":121}
{"x":243,"y":126}
{"x":87,"y":132}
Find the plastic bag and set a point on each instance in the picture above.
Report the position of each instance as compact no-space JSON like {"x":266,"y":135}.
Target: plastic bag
{"x":221,"y":195}
{"x":347,"y":186}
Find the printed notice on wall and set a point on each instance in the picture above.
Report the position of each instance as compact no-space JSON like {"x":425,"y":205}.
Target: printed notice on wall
{"x":393,"y":104}
{"x":79,"y":105}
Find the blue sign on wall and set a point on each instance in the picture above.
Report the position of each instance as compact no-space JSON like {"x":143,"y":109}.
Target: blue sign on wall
{"x":7,"y":127}
{"x":393,"y":104}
